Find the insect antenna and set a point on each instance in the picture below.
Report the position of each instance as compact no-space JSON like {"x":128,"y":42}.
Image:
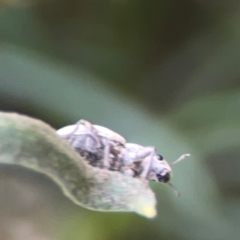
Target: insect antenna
{"x":174,"y":189}
{"x":181,"y":158}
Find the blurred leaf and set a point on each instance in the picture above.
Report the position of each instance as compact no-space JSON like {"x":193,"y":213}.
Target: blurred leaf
{"x":212,"y":122}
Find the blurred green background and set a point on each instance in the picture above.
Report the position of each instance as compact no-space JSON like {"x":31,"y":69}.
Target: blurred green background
{"x":163,"y":73}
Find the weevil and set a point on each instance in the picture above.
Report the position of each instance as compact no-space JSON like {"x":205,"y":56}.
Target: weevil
{"x":104,"y":148}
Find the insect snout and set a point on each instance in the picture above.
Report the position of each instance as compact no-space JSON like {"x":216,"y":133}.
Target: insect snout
{"x":164,"y":176}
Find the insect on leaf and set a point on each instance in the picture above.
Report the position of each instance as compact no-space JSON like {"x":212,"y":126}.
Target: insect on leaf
{"x":33,"y":144}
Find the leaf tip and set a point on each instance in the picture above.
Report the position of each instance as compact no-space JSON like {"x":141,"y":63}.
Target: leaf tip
{"x":148,"y":211}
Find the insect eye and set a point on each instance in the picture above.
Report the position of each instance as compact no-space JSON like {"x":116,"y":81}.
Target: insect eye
{"x":160,"y":157}
{"x":165,"y":178}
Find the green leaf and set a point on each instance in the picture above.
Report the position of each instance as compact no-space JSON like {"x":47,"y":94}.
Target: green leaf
{"x":33,"y":144}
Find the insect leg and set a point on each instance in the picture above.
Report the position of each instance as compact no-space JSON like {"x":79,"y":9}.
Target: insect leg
{"x":147,"y":156}
{"x":106,"y":154}
{"x":87,"y":129}
{"x":90,"y":129}
{"x":85,"y":140}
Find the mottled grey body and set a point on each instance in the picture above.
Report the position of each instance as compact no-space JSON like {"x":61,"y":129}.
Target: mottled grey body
{"x":102,"y":151}
{"x":104,"y":148}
